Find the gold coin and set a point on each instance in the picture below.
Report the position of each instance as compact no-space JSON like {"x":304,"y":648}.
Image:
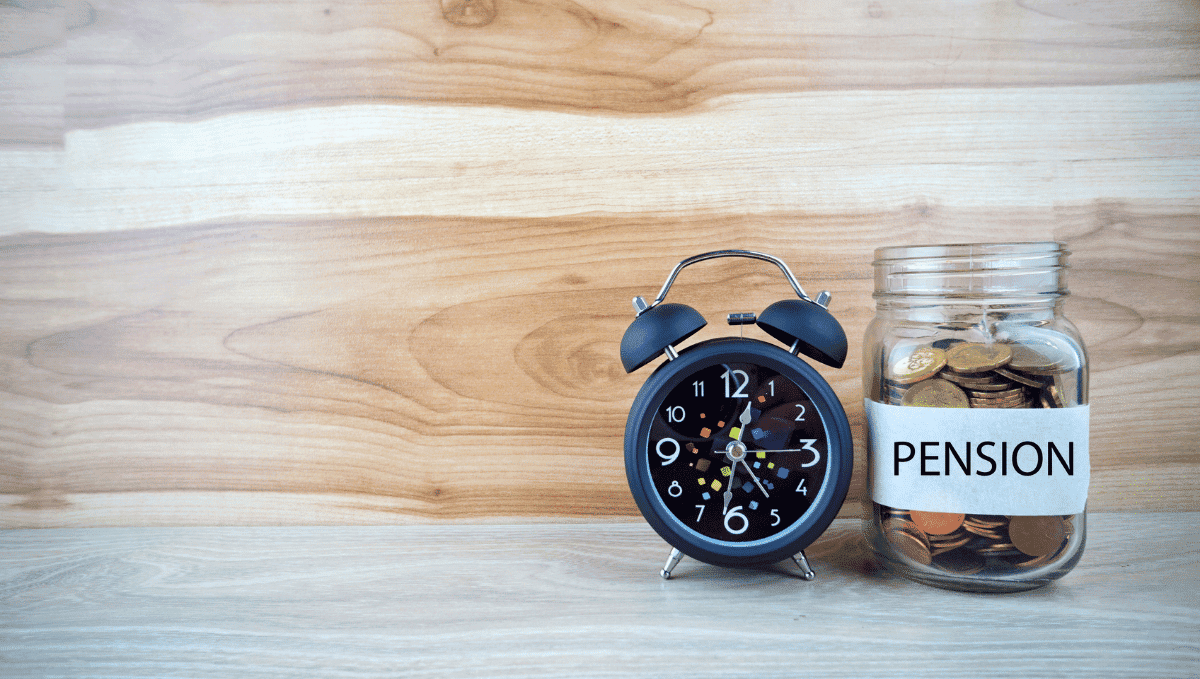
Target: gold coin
{"x":1006,"y":395}
{"x":1037,"y":535}
{"x":921,"y":363}
{"x":1018,"y":377}
{"x":972,"y":357}
{"x":986,"y":383}
{"x":1042,"y":358}
{"x":937,"y":523}
{"x":936,"y":393}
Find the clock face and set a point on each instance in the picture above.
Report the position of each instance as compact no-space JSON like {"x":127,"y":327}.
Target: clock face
{"x":737,"y":450}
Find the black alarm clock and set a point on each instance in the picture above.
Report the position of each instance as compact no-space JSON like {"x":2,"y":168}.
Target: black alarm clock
{"x":738,"y":453}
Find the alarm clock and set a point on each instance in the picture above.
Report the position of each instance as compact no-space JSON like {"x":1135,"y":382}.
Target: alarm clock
{"x":738,"y":453}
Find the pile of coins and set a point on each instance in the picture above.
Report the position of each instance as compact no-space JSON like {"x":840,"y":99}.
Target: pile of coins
{"x":1036,"y":373}
{"x":955,"y":374}
{"x":967,"y":544}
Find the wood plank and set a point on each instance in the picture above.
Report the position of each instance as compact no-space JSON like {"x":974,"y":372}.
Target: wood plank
{"x":167,"y":59}
{"x":33,"y":70}
{"x":546,"y":600}
{"x":400,"y":370}
{"x":813,"y":152}
{"x":260,"y":262}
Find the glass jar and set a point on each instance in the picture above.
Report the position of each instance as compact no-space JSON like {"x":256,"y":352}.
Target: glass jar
{"x":976,"y":392}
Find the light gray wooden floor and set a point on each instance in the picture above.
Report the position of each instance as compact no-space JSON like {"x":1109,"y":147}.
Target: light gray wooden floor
{"x":579,"y":600}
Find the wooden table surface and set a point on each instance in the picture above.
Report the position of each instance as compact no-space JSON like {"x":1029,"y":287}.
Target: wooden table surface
{"x":555,"y":600}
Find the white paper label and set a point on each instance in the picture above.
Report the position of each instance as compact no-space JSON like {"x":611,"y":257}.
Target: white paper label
{"x":1018,"y":461}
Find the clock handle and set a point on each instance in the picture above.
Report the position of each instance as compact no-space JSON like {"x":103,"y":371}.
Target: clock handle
{"x":716,"y":254}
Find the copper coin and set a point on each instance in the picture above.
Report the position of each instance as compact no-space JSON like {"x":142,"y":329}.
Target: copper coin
{"x":921,"y":363}
{"x":936,"y":393}
{"x":961,"y":561}
{"x":940,"y":544}
{"x":937,"y":523}
{"x":904,"y":536}
{"x":1037,"y":535}
{"x":973,"y":357}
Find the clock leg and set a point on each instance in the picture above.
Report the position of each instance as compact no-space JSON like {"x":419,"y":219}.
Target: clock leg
{"x":672,"y":562}
{"x":802,"y":563}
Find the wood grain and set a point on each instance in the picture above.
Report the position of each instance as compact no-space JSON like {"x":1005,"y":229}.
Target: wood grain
{"x":553,"y":600}
{"x":178,"y":60}
{"x":434,"y":369}
{"x":810,"y":152}
{"x":369,"y":262}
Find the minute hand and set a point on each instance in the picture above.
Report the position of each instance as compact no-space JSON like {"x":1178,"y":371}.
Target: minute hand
{"x":808,"y":448}
{"x":783,"y":450}
{"x":756,"y":481}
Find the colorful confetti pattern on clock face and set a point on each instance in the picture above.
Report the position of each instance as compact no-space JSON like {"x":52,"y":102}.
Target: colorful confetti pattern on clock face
{"x":737,"y":452}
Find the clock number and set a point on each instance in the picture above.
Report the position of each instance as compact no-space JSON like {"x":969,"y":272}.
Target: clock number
{"x":800,"y":417}
{"x":775,"y":515}
{"x":668,"y":458}
{"x":808,"y":445}
{"x":801,"y":489}
{"x":676,"y":414}
{"x":674,"y":490}
{"x":701,"y":508}
{"x":732,"y":379}
{"x":698,"y":388}
{"x":736,"y":512}
{"x":772,"y":385}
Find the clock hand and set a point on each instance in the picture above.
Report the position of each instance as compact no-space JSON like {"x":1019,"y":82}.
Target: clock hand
{"x":743,"y":419}
{"x":756,"y":481}
{"x":728,"y":495}
{"x":783,"y":450}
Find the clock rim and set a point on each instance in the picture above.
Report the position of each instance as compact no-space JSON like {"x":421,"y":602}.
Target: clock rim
{"x":790,"y":540}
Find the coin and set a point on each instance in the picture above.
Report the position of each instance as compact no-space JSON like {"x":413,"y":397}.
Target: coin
{"x":1006,"y":395}
{"x":940,"y":544}
{"x":1042,"y":358}
{"x":962,"y":561}
{"x":923,"y":362}
{"x":984,"y":526}
{"x":973,"y":357}
{"x":1023,"y":370}
{"x":982,"y":382}
{"x":1037,"y":535}
{"x":936,"y":393}
{"x":908,"y":540}
{"x":1019,"y":377}
{"x":937,"y":523}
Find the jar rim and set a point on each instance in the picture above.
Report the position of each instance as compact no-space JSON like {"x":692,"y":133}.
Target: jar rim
{"x":982,"y":270}
{"x":958,"y":251}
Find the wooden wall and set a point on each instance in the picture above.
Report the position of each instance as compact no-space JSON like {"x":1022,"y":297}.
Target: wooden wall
{"x":370,"y":262}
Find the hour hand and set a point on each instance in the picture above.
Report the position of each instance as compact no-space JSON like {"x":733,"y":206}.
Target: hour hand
{"x":728,"y":495}
{"x":743,"y":420}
